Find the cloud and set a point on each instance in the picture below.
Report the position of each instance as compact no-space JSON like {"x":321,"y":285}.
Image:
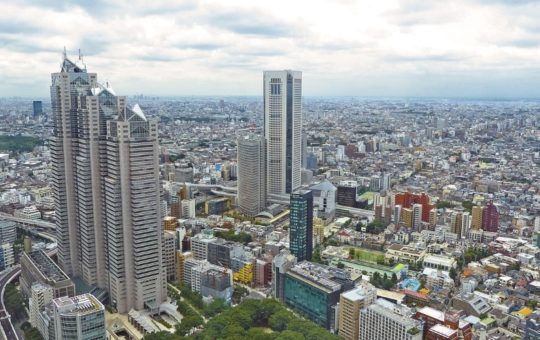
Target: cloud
{"x":192,"y":47}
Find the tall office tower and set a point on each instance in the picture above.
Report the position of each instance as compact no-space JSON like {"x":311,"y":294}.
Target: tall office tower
{"x":79,"y":318}
{"x":350,"y":304}
{"x":283,"y":130}
{"x":386,"y":181}
{"x":301,"y":225}
{"x":375,"y":183}
{"x":490,"y":218}
{"x":477,"y":212}
{"x":251,"y":174}
{"x":38,"y":108}
{"x":106,"y":186}
{"x":386,"y":320}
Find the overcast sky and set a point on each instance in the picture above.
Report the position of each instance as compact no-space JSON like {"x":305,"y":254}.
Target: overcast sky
{"x":472,"y":48}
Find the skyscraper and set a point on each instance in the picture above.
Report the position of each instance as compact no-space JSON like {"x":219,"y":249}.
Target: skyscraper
{"x":283,"y":130}
{"x":37,"y":106}
{"x":105,"y":181}
{"x":301,"y":225}
{"x":251,"y":174}
{"x":477,"y":212}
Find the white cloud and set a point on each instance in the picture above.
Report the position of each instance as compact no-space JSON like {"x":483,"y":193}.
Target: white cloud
{"x":364,"y":47}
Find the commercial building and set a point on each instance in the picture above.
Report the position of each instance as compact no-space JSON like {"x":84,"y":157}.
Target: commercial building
{"x":181,"y":258}
{"x":38,"y":267}
{"x":347,"y":192}
{"x":8,"y":232}
{"x":283,"y":130}
{"x":170,"y":223}
{"x":219,"y":252}
{"x":105,"y":154}
{"x":439,"y":262}
{"x":301,"y":225}
{"x":324,"y":199}
{"x":402,"y":253}
{"x":313,"y":290}
{"x":37,"y":106}
{"x":79,"y":318}
{"x":350,"y":304}
{"x":281,"y":263}
{"x":251,"y":174}
{"x":217,"y":283}
{"x":200,"y":242}
{"x":217,"y":206}
{"x":385,"y":320}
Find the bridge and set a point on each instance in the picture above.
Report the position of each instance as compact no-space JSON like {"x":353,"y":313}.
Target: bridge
{"x":28,"y":221}
{"x":8,"y":330}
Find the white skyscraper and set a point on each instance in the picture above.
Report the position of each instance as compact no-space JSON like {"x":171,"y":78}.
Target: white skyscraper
{"x":106,"y":186}
{"x":283,"y":130}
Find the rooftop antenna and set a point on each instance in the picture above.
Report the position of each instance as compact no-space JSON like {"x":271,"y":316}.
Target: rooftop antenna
{"x":80,"y":56}
{"x":65,"y":53}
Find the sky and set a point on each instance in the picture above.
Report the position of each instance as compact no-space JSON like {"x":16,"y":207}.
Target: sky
{"x":420,"y":48}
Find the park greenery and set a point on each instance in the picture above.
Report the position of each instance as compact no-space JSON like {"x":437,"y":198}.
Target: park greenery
{"x":18,"y":144}
{"x":231,"y":235}
{"x":253,"y":319}
{"x":375,"y":227}
{"x":445,"y":205}
{"x":366,"y":255}
{"x":383,"y":282}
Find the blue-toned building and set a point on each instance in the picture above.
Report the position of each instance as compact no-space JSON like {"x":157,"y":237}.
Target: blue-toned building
{"x":532,"y":327}
{"x":313,"y":290}
{"x":38,"y":107}
{"x":301,"y":224}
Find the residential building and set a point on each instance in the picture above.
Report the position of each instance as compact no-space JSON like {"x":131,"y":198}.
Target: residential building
{"x":199,"y":244}
{"x":386,"y":320}
{"x":477,"y":214}
{"x":251,"y":174}
{"x":40,"y":296}
{"x":350,"y":304}
{"x":283,"y":130}
{"x":490,"y":218}
{"x":301,"y":224}
{"x":169,"y":254}
{"x":6,"y":256}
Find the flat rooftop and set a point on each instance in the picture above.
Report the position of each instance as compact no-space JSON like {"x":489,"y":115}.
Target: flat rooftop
{"x":321,"y":275}
{"x":47,"y":266}
{"x":80,"y":304}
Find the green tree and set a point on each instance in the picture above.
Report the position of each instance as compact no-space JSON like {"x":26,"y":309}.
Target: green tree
{"x":215,"y":307}
{"x":290,"y":335}
{"x":340,"y":265}
{"x":279,"y":321}
{"x":258,"y":333}
{"x":453,"y":273}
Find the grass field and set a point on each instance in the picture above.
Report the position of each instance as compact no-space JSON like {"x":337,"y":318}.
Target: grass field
{"x":367,"y":255}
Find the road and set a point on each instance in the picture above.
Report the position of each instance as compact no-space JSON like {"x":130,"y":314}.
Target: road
{"x":8,"y":330}
{"x":27,"y":221}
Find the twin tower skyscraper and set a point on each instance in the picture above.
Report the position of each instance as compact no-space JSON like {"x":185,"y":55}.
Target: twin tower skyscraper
{"x":269,"y":166}
{"x":105,"y":180}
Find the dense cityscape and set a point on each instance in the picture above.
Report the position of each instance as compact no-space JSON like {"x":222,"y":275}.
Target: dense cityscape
{"x":272,"y":217}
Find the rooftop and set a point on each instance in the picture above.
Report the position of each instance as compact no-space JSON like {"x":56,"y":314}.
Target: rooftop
{"x":328,"y":277}
{"x":47,"y":266}
{"x":80,"y":304}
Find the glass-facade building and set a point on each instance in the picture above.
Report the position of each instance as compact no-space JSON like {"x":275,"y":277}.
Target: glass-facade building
{"x":301,"y":224}
{"x":313,"y":290}
{"x":79,"y":318}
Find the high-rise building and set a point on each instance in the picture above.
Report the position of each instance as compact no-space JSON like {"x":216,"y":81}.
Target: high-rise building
{"x":38,"y":107}
{"x":283,"y":130}
{"x":477,"y":212}
{"x":251,"y":174}
{"x":301,"y":224}
{"x":408,"y":199}
{"x":6,"y":256}
{"x":386,"y":320}
{"x":490,"y":218}
{"x":105,"y":180}
{"x":350,"y":304}
{"x":79,"y":318}
{"x":456,"y":223}
{"x":324,"y":196}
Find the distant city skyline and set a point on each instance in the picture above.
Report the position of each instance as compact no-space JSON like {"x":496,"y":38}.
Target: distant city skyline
{"x":469,"y":48}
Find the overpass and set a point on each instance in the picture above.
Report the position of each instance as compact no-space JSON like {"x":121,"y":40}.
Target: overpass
{"x":355,"y":211}
{"x":28,"y":221}
{"x":8,"y":329}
